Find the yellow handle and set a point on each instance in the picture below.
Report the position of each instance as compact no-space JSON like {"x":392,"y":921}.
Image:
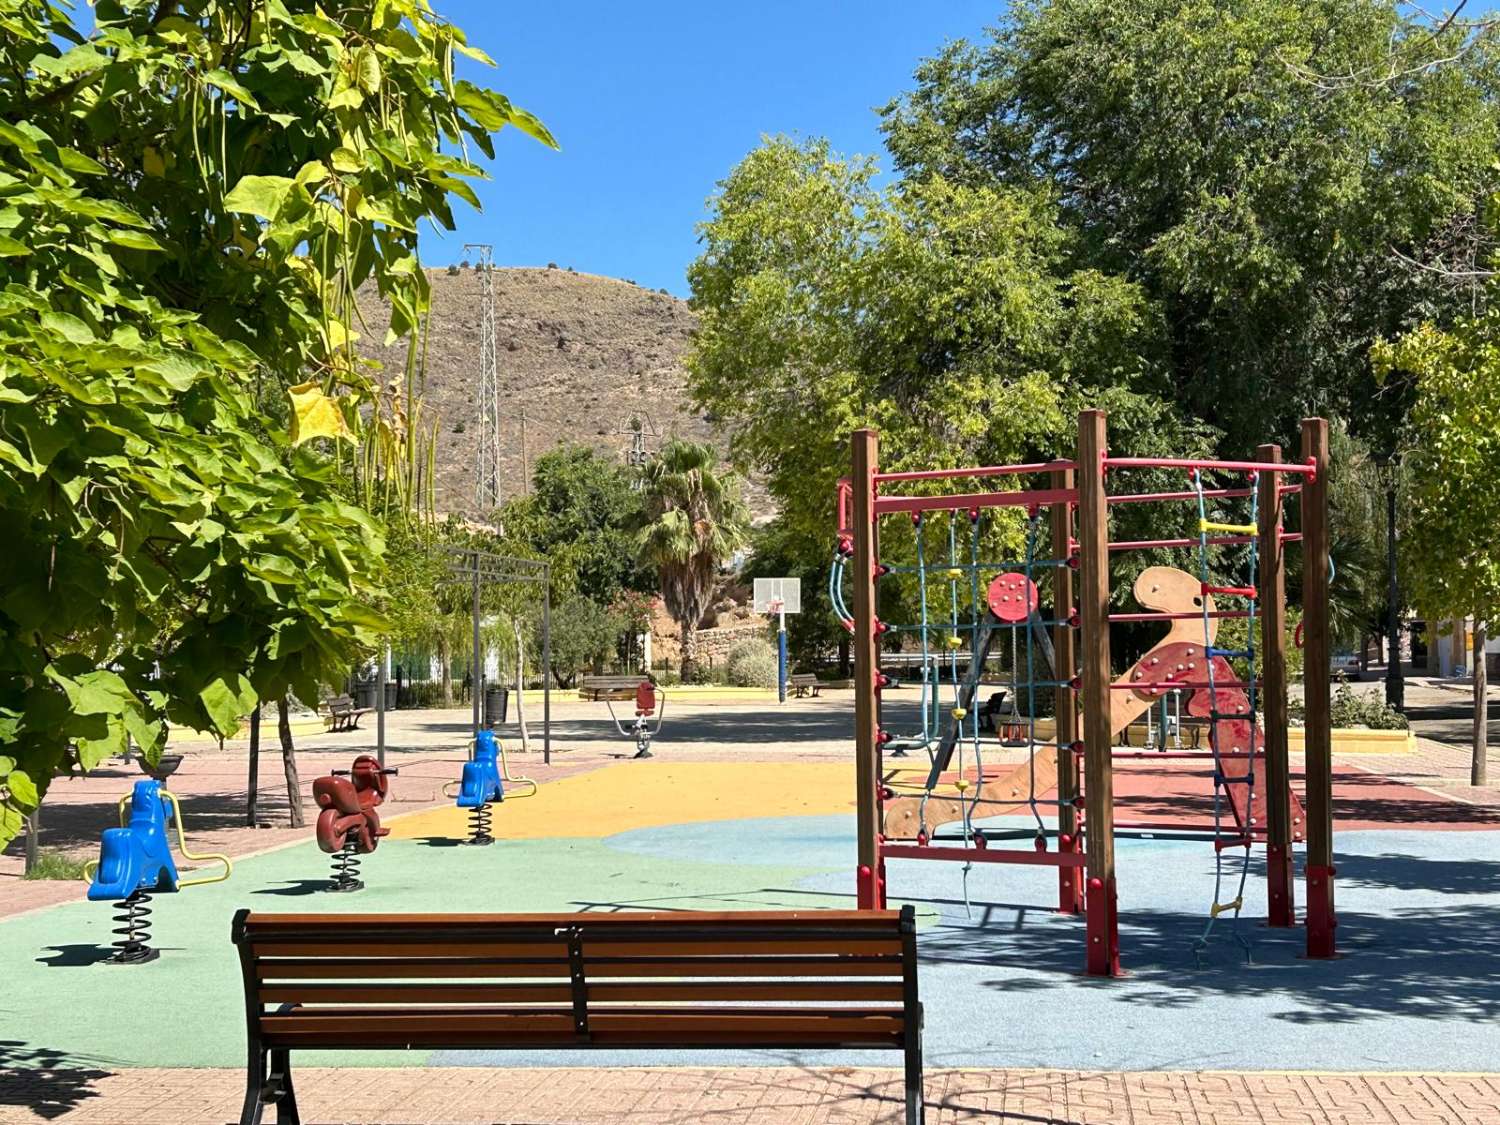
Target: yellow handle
{"x":182,"y":847}
{"x":1224,"y":907}
{"x":504,"y":775}
{"x":1229,"y":528}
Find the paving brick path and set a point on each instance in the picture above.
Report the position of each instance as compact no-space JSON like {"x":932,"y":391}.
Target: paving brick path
{"x":759,"y":1096}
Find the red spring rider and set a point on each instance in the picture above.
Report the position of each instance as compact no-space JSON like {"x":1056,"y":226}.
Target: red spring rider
{"x":349,"y":827}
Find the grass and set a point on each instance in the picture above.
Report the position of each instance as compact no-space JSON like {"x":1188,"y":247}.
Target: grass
{"x":56,"y":865}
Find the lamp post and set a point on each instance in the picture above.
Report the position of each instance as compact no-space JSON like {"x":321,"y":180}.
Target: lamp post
{"x":1395,"y":682}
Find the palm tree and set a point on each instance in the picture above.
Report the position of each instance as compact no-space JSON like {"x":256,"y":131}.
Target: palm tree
{"x":695,"y":523}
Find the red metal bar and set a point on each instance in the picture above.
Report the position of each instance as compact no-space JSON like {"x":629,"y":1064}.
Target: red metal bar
{"x":1218,"y":614}
{"x":1157,"y":544}
{"x":845,"y":493}
{"x":1170,"y":755}
{"x":1237,"y":591}
{"x":1169,"y":826}
{"x":983,"y":471}
{"x":985,"y":855}
{"x":1146,"y":688}
{"x":1191,"y":494}
{"x":1150,"y":497}
{"x":884,"y":505}
{"x":1308,"y":468}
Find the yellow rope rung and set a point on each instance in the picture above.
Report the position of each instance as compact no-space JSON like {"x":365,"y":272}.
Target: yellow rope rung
{"x":1224,"y":907}
{"x":955,"y":641}
{"x":954,"y":573}
{"x":959,"y":713}
{"x":1228,"y":528}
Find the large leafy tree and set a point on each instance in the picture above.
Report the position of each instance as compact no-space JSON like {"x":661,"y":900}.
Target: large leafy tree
{"x":695,"y":522}
{"x":944,"y":315}
{"x":1262,"y":168}
{"x":581,"y":515}
{"x":1451,"y":549}
{"x":189,"y":195}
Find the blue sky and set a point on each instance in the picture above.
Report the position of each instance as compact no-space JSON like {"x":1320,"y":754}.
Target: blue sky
{"x":654,"y":103}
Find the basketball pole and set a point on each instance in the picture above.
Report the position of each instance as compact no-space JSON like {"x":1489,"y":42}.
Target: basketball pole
{"x":781,"y":652}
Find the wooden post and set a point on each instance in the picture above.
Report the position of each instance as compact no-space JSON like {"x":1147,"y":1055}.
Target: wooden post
{"x":1099,"y":796}
{"x":1319,"y":735}
{"x":1070,"y":879}
{"x":1280,"y":907}
{"x":870,"y":874}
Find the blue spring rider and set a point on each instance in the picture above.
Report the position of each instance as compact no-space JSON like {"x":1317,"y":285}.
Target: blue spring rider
{"x":483,"y":784}
{"x":135,"y":862}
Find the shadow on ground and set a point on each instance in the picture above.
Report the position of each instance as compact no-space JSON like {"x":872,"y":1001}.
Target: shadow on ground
{"x":49,"y":1083}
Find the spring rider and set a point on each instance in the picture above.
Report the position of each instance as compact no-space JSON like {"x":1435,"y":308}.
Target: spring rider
{"x":135,"y":862}
{"x":349,"y":827}
{"x":483,"y":784}
{"x":641,"y":728}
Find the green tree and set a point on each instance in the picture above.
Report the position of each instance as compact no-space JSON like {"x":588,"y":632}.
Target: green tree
{"x":581,"y":515}
{"x":191,"y":197}
{"x":584,"y":635}
{"x":1245,"y":166}
{"x":1450,"y":546}
{"x":695,"y":522}
{"x":944,"y":315}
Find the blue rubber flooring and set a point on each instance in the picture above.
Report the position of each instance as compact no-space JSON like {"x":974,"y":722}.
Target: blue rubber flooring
{"x":1417,"y":986}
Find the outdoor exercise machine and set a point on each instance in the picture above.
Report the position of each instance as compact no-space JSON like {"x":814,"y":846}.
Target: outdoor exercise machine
{"x":1253,"y":799}
{"x":642,"y":729}
{"x":135,"y":862}
{"x":349,"y":825}
{"x":483,"y":784}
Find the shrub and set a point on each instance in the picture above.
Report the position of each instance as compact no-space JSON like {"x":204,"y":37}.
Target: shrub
{"x":752,"y":663}
{"x":1349,"y":708}
{"x":56,"y":865}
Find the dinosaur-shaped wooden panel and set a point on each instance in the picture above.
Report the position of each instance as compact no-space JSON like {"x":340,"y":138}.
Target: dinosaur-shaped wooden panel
{"x":1178,"y":657}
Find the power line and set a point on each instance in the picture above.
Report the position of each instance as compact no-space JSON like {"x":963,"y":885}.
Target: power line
{"x":487,"y":459}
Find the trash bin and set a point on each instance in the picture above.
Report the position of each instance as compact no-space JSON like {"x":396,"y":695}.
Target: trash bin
{"x":392,"y":692}
{"x":364,"y":694}
{"x":496,"y":705}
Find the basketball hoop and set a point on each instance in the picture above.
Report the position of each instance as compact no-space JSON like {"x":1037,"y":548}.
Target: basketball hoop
{"x":774,"y":607}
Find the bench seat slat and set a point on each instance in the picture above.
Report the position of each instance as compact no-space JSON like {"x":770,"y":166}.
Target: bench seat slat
{"x":523,"y":1027}
{"x":650,"y":992}
{"x":319,"y":968}
{"x":436,"y":925}
{"x":706,"y":947}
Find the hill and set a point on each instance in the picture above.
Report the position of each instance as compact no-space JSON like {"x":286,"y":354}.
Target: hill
{"x":579,"y":356}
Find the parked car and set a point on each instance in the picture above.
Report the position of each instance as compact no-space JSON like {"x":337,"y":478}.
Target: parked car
{"x":1345,"y":662}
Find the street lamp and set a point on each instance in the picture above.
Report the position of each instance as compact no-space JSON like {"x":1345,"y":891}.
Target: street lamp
{"x":1395,"y":683}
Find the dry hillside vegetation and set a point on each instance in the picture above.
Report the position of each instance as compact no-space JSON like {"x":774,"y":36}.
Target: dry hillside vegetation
{"x":579,"y":354}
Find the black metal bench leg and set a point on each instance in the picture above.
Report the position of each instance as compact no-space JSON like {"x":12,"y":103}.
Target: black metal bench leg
{"x":281,"y":1081}
{"x":255,"y":1083}
{"x":914,"y":1108}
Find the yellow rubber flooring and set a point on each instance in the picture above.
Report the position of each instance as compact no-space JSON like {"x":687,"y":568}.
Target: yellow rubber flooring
{"x":646,"y":794}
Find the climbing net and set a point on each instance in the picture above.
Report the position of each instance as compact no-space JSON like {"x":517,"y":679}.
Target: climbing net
{"x":969,"y":610}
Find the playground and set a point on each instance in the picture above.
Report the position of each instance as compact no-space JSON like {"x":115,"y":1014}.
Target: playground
{"x":748,"y":805}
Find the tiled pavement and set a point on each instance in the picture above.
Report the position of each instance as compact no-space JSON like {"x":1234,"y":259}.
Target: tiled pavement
{"x":759,"y":1096}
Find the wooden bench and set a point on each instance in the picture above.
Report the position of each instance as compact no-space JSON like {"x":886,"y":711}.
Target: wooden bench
{"x":804,"y":683}
{"x":813,"y":980}
{"x":594,"y":688}
{"x":342,"y":714}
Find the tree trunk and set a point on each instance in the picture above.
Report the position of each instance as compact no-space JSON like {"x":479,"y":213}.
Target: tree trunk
{"x":289,"y":764}
{"x":844,"y":672}
{"x":445,"y":663}
{"x":1479,"y":770}
{"x":689,"y":650}
{"x":521,"y":686}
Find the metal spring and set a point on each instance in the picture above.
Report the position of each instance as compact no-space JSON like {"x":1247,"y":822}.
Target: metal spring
{"x":346,"y":868}
{"x":133,"y":925}
{"x":480,"y":818}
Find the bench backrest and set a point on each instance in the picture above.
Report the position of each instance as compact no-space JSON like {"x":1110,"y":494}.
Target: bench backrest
{"x":612,"y":681}
{"x":567,"y":968}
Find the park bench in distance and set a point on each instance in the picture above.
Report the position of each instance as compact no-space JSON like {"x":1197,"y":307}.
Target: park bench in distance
{"x":342,"y":714}
{"x":803,"y":683}
{"x":592,"y":689}
{"x":815,"y":979}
